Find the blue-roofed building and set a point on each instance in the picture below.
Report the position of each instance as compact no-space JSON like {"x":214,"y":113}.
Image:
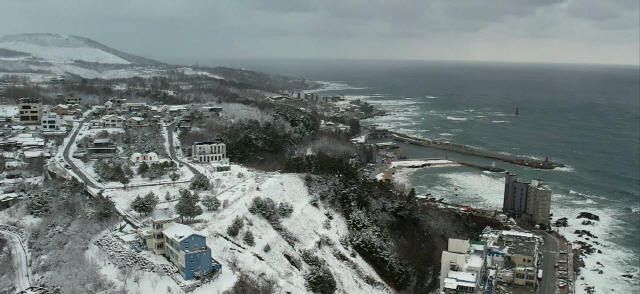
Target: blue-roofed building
{"x":188,"y":251}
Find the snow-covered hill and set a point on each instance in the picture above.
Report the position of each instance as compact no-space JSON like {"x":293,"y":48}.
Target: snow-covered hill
{"x":312,"y":227}
{"x":69,"y":48}
{"x":43,"y":56}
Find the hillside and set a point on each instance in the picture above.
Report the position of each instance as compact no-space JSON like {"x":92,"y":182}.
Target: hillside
{"x":69,"y":48}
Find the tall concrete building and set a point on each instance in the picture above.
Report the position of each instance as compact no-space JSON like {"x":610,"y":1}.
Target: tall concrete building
{"x":529,"y":199}
{"x":30,"y":110}
{"x":538,"y":203}
{"x":515,"y":194}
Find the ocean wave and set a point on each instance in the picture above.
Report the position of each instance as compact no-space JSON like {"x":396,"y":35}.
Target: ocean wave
{"x":446,"y":134}
{"x":335,"y":86}
{"x":499,"y":121}
{"x":431,"y":97}
{"x":456,"y":118}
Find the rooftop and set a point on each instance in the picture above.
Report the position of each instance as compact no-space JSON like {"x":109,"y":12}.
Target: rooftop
{"x":179,"y":232}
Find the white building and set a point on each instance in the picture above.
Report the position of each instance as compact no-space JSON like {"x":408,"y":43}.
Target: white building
{"x":144,"y":157}
{"x":462,"y":267}
{"x":209,"y":152}
{"x":113,"y":121}
{"x":50,"y":122}
{"x":136,"y":121}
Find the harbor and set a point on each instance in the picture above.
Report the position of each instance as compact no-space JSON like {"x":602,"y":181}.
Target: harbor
{"x":463,"y":149}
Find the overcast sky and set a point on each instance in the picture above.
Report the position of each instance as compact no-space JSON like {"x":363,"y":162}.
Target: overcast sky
{"x":187,"y":31}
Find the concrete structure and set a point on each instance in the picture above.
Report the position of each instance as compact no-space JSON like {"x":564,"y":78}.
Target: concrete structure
{"x":463,"y":268}
{"x":135,"y":106}
{"x":209,"y":152}
{"x":531,"y":200}
{"x":515,"y":194}
{"x":144,"y":157}
{"x":211,"y":111}
{"x":60,"y":109}
{"x":30,"y":110}
{"x":50,"y":122}
{"x":73,"y":99}
{"x":514,"y":254}
{"x":102,"y":146}
{"x":113,"y":121}
{"x":188,"y":251}
{"x":538,"y":203}
{"x":135,"y":121}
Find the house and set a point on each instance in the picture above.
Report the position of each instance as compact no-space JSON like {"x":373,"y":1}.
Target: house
{"x":60,"y":109}
{"x":30,"y":110}
{"x":102,"y":146}
{"x":209,"y":152}
{"x":136,"y":121}
{"x":144,"y":157}
{"x":211,"y":111}
{"x":188,"y":251}
{"x":50,"y":122}
{"x":135,"y":106}
{"x":462,"y":266}
{"x":71,"y":98}
{"x":113,"y":121}
{"x":514,"y":253}
{"x":109,"y":105}
{"x":153,"y":238}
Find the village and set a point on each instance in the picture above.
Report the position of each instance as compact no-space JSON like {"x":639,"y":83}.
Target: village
{"x":130,"y":153}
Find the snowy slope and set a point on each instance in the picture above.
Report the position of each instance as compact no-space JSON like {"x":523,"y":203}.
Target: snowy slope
{"x":236,"y":190}
{"x":64,"y":53}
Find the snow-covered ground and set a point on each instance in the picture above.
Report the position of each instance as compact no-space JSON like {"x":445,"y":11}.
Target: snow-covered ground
{"x":64,"y":53}
{"x":20,"y":253}
{"x":236,"y":190}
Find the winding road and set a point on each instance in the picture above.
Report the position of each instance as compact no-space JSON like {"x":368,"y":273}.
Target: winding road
{"x":23,"y":278}
{"x":172,"y":149}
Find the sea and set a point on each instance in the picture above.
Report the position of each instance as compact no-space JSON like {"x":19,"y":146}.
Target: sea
{"x":584,"y":116}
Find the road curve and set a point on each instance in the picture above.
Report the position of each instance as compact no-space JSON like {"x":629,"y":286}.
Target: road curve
{"x":20,"y":255}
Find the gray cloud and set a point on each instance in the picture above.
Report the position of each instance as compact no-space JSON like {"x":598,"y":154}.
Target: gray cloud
{"x":589,"y":31}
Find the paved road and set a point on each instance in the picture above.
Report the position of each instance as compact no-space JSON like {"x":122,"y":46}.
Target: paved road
{"x":549,"y":250}
{"x":20,"y":255}
{"x":65,"y":154}
{"x":172,"y":149}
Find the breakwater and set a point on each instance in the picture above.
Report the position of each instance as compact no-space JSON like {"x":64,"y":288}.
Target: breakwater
{"x":459,"y":148}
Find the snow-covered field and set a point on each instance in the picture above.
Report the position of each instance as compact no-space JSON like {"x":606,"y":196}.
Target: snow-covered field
{"x":64,"y":54}
{"x":236,"y":190}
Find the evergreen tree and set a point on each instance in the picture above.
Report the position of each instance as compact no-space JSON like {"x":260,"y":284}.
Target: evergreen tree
{"x":200,"y":182}
{"x":187,"y":205}
{"x":211,"y":202}
{"x":249,"y":239}
{"x":143,"y":169}
{"x":235,"y":227}
{"x":151,"y":200}
{"x":174,"y":177}
{"x":138,"y":204}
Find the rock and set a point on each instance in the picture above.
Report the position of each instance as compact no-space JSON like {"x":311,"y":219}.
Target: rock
{"x":561,"y":222}
{"x":588,"y":215}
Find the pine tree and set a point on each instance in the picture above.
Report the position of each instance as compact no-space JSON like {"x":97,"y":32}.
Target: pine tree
{"x":211,"y":202}
{"x":249,"y":239}
{"x":200,"y":182}
{"x":174,"y":177}
{"x":188,"y":206}
{"x":143,"y":169}
{"x":235,"y":227}
{"x":138,"y":205}
{"x":151,"y":200}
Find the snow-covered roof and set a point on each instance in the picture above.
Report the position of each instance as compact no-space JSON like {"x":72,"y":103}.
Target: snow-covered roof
{"x":136,"y":118}
{"x":62,"y":106}
{"x":109,"y":116}
{"x":32,"y":154}
{"x":517,"y":234}
{"x":455,"y":279}
{"x":179,"y":232}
